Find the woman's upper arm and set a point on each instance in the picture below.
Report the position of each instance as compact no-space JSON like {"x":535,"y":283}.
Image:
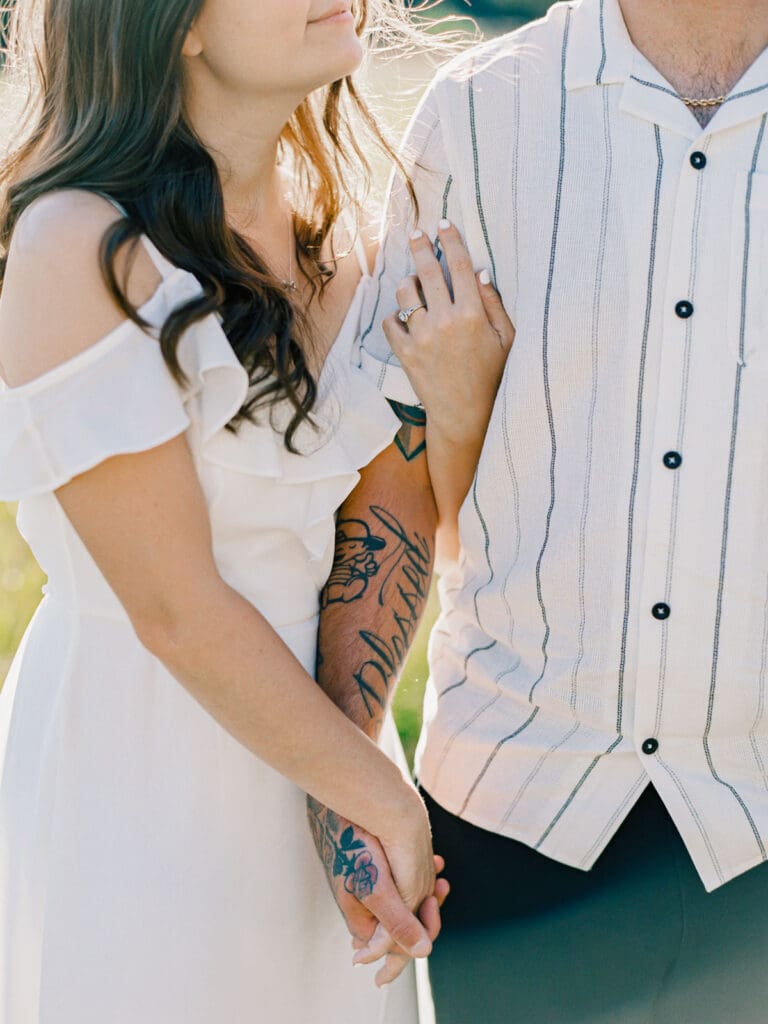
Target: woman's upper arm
{"x":131,"y":493}
{"x":144,"y":520}
{"x":54,"y":301}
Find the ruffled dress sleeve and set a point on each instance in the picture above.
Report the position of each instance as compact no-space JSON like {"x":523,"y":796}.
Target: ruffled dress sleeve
{"x":117,"y":397}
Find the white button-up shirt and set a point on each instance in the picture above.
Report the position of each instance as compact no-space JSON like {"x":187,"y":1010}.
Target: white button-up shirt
{"x":607,"y":625}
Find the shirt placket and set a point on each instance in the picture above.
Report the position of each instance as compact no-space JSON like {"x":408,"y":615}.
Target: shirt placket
{"x":660,"y":602}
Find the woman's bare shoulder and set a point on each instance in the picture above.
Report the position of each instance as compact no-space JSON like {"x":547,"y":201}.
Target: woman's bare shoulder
{"x":55,"y":302}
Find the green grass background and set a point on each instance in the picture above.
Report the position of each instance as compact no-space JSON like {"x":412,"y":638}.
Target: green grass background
{"x":394,"y":88}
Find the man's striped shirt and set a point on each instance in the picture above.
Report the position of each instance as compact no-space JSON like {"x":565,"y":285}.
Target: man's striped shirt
{"x":607,"y":625}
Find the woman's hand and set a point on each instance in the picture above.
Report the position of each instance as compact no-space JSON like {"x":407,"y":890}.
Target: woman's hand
{"x":365,"y":892}
{"x":454,"y":348}
{"x":414,"y":869}
{"x":378,"y":943}
{"x":407,"y":845}
{"x":385,"y":888}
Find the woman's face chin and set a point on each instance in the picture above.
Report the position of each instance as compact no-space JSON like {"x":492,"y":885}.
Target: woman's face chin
{"x":330,"y":35}
{"x":276,"y":47}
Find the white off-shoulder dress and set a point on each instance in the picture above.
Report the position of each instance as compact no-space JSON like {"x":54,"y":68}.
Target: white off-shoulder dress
{"x":152,"y":870}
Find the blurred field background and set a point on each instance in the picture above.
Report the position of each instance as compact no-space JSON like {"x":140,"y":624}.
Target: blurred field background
{"x":394,"y":87}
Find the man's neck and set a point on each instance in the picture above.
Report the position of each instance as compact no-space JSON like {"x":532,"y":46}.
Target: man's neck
{"x":702,"y":47}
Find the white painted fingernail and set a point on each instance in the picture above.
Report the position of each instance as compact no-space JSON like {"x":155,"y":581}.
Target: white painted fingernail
{"x":444,"y":225}
{"x":416,"y":235}
{"x":485,"y":277}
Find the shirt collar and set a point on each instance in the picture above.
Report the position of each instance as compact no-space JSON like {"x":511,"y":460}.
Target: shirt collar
{"x":601,"y":53}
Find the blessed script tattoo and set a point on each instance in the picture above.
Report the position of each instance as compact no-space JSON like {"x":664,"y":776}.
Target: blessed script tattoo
{"x":343,"y":854}
{"x":401,"y":566}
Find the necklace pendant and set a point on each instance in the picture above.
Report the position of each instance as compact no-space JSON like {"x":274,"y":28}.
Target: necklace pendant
{"x":291,"y":286}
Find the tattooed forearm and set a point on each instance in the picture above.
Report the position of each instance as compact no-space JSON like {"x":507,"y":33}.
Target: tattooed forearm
{"x":378,"y":585}
{"x":410,"y":438}
{"x":402,"y":565}
{"x":343,"y":855}
{"x":371,"y":606}
{"x":403,"y":591}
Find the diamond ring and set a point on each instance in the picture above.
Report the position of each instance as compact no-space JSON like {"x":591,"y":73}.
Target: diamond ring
{"x":405,"y":314}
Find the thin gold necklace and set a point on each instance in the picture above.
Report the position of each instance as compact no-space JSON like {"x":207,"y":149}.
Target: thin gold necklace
{"x":290,"y":281}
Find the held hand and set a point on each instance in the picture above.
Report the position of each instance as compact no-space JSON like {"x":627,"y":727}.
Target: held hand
{"x":454,"y":349}
{"x":364,"y":887}
{"x":382,"y":944}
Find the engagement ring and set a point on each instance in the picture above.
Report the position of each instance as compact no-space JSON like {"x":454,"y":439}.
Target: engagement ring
{"x":405,"y":314}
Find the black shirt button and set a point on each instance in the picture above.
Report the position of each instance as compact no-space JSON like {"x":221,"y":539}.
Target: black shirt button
{"x":698,"y":161}
{"x":650,"y":746}
{"x":673,"y":460}
{"x":661,"y":611}
{"x":684,"y":309}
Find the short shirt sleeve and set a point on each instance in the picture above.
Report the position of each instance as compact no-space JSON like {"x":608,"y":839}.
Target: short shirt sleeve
{"x":425,"y":159}
{"x":117,"y":397}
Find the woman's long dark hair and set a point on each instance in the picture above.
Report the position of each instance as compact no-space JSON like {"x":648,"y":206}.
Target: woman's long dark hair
{"x":105,"y":113}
